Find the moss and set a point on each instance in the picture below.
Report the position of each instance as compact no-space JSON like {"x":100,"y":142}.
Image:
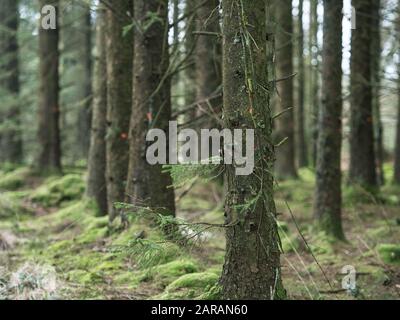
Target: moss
{"x":168,"y":272}
{"x":12,"y":207}
{"x":57,"y":190}
{"x":190,"y":286}
{"x":389,"y":253}
{"x":15,"y":179}
{"x":84,"y":277}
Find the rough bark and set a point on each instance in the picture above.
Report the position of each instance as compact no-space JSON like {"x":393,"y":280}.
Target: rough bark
{"x":362,"y":154}
{"x":285,"y":154}
{"x":119,"y":101}
{"x":251,"y":269}
{"x":376,"y":82}
{"x":96,"y":183}
{"x":151,"y":108}
{"x":49,"y":159}
{"x":328,"y":199}
{"x":302,"y":150}
{"x":10,"y":131}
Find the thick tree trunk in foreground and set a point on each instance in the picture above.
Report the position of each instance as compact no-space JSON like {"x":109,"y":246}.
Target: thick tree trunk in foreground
{"x":376,"y":82}
{"x":96,"y":183}
{"x":302,"y":150}
{"x":119,"y":101}
{"x":148,"y":185}
{"x":49,"y":159}
{"x":252,"y":267}
{"x":10,"y":131}
{"x":362,"y":154}
{"x":328,"y":199}
{"x":285,"y":153}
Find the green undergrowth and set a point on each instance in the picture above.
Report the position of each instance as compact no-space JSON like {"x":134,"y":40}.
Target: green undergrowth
{"x":58,"y":190}
{"x":15,"y":179}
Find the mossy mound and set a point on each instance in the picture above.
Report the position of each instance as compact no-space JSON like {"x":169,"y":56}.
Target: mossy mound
{"x":190,"y":286}
{"x":55,"y":191}
{"x":11,"y":206}
{"x":389,"y":253}
{"x":15,"y":179}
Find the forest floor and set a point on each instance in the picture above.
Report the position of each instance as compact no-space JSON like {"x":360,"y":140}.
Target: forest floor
{"x":53,"y":246}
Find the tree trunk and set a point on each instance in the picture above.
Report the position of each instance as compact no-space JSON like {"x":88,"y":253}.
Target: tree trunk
{"x":285,"y":154}
{"x":147,"y":184}
{"x":328,"y":199}
{"x":376,"y":82}
{"x":362,"y":155}
{"x":302,"y":150}
{"x":208,"y":60}
{"x":49,"y":159}
{"x":85,"y":58}
{"x":252,"y":267}
{"x":314,"y":76}
{"x":96,"y":183}
{"x":190,"y":46}
{"x":10,"y":131}
{"x":119,"y":101}
{"x":397,"y":147}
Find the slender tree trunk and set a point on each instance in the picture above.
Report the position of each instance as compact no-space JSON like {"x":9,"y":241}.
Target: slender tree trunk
{"x":314,"y":76}
{"x":302,"y":150}
{"x":376,"y":82}
{"x":208,"y":60}
{"x":362,"y":155}
{"x":328,"y":199}
{"x":96,"y":183}
{"x":252,"y":267}
{"x":285,"y":153}
{"x":190,"y":46}
{"x":85,"y":58}
{"x":397,"y":147}
{"x":119,"y":101}
{"x":49,"y":159}
{"x":10,"y":134}
{"x":148,"y":184}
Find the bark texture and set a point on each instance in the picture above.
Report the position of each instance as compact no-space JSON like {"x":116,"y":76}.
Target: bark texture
{"x":10,"y":130}
{"x":148,"y":185}
{"x":252,"y":268}
{"x":362,"y":153}
{"x":96,"y":183}
{"x":119,"y":101}
{"x":328,"y":199}
{"x":285,"y":153}
{"x":49,"y":159}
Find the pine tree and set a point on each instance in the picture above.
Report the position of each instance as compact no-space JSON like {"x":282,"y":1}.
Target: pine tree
{"x":328,"y":199}
{"x":10,"y":130}
{"x":148,"y":184}
{"x":362,"y":154}
{"x":252,"y":267}
{"x":285,"y":154}
{"x":119,"y":100}
{"x":96,"y":183}
{"x":49,"y":159}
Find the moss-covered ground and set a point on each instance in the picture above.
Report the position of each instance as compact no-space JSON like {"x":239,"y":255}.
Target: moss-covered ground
{"x":46,"y":222}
